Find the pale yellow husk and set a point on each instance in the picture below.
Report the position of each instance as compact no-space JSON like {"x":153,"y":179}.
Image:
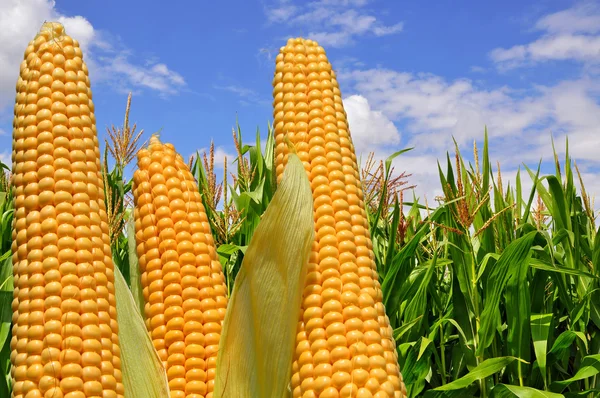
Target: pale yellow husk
{"x":143,"y":372}
{"x":259,"y":330}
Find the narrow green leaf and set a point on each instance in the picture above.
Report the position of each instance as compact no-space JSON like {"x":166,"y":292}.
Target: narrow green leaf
{"x":540,"y":328}
{"x":560,"y":346}
{"x":259,"y":330}
{"x":416,"y":366}
{"x":541,"y":265}
{"x":514,"y":255}
{"x":399,"y":332}
{"x":592,"y":392}
{"x":228,"y":249}
{"x":485,"y":369}
{"x":518,"y":300}
{"x":590,"y":366}
{"x":143,"y":372}
{"x":135,"y":278}
{"x":418,"y":303}
{"x":6,"y":296}
{"x":425,"y":342}
{"x":486,"y":259}
{"x":510,"y":391}
{"x":391,"y":240}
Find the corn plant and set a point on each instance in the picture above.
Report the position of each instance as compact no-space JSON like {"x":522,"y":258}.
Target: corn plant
{"x":491,"y":294}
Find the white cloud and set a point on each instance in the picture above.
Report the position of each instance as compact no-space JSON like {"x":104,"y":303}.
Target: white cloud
{"x":370,"y":129}
{"x":220,"y":155}
{"x":477,"y":69}
{"x":21,"y":20}
{"x":332,"y":23}
{"x":281,"y":13}
{"x":571,"y":34}
{"x":5,"y":157}
{"x":431,"y":111}
{"x":157,"y":77}
{"x":388,"y":30}
{"x":582,"y":18}
{"x":247,"y":96}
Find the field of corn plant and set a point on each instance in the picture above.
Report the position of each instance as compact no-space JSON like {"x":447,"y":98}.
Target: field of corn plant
{"x":303,"y":272}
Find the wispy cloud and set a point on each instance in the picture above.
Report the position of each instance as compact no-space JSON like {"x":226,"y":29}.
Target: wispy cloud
{"x":246,"y":95}
{"x":334,"y":23}
{"x":280,"y":11}
{"x":127,"y":76}
{"x":107,"y":60}
{"x":5,"y":157}
{"x":477,"y":69}
{"x":569,"y":35}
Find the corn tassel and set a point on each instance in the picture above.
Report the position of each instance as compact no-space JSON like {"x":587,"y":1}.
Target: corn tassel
{"x":344,"y":345}
{"x":182,"y":280}
{"x":65,"y":335}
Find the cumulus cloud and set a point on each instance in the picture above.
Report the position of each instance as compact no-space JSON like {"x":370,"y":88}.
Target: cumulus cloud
{"x":433,"y":111}
{"x":370,"y":129}
{"x":571,"y":34}
{"x":21,"y":20}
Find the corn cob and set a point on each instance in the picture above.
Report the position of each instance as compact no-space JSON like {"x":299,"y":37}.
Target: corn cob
{"x":65,"y":335}
{"x":344,"y":345}
{"x":183,"y":283}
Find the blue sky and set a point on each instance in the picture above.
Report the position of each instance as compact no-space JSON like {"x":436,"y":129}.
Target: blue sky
{"x":412,"y":73}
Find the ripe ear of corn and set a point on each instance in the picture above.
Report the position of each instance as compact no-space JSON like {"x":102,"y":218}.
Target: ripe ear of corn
{"x":65,"y":335}
{"x":344,"y":345}
{"x":182,"y":280}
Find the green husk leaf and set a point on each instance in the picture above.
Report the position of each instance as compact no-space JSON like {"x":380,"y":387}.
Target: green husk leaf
{"x":143,"y":372}
{"x":257,"y":341}
{"x":134,"y":268}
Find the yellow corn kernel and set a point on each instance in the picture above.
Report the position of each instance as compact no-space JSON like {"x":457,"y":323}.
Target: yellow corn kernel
{"x":65,"y":335}
{"x":183,"y":283}
{"x":345,"y":345}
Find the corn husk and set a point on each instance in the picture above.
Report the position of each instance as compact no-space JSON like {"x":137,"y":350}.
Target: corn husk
{"x":259,"y":330}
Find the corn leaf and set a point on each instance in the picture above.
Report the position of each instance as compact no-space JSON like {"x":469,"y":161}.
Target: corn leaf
{"x":483,"y":370}
{"x":540,"y":327}
{"x":510,"y":391}
{"x":143,"y":372}
{"x":590,"y":366}
{"x":6,"y":296}
{"x":515,"y":254}
{"x":259,"y":330}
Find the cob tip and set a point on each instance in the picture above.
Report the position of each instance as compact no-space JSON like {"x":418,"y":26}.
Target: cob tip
{"x":52,"y":30}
